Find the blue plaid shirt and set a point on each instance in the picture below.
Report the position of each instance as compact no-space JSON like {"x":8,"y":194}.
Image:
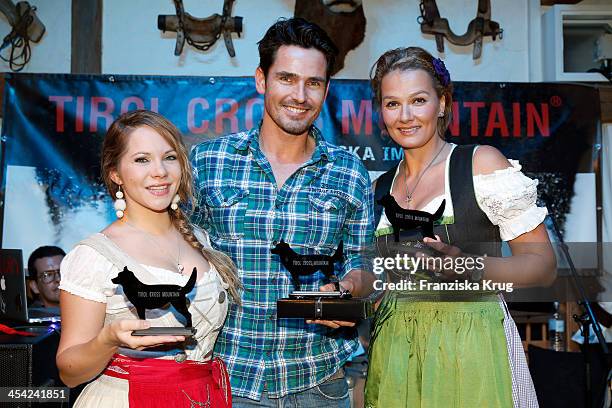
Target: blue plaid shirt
{"x":328,"y":199}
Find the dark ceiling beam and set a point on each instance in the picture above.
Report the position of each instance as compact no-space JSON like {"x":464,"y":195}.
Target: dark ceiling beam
{"x":86,"y":55}
{"x":553,"y":2}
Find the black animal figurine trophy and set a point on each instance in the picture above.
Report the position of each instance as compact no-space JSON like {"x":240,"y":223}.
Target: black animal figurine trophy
{"x":401,"y":218}
{"x":144,"y":296}
{"x":303,"y":265}
{"x":328,"y":305}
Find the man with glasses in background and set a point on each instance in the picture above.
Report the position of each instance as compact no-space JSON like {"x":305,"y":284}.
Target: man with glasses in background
{"x":44,"y":274}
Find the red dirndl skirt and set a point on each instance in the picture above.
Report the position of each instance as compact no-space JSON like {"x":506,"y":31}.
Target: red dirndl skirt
{"x":159,"y":383}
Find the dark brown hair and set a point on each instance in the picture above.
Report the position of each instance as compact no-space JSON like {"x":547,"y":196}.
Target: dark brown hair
{"x":113,"y":148}
{"x":46,"y":251}
{"x":299,"y":32}
{"x":413,"y":58}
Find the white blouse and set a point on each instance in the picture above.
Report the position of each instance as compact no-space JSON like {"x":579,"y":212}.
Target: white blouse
{"x":87,"y":273}
{"x":507,"y":197}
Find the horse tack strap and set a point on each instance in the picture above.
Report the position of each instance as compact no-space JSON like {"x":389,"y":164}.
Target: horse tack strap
{"x":480,"y":26}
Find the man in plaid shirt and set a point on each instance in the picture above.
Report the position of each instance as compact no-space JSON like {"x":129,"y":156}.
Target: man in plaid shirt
{"x":283,"y":181}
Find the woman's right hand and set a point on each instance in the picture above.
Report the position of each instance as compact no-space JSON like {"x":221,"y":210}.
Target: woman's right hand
{"x":87,"y":344}
{"x":119,"y":334}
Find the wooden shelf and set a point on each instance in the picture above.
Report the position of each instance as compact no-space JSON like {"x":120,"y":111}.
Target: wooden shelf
{"x":568,"y":41}
{"x":534,"y":326}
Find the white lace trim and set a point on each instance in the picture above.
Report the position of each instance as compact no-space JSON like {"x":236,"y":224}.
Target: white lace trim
{"x":117,"y":370}
{"x":508,"y":198}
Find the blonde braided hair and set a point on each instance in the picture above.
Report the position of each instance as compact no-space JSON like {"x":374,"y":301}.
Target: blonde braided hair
{"x":114,"y":145}
{"x":222,"y":263}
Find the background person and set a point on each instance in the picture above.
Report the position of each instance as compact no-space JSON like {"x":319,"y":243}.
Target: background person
{"x":44,"y":275}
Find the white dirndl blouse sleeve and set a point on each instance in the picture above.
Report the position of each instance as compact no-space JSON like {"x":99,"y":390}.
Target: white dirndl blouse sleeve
{"x":86,"y":273}
{"x":508,"y":198}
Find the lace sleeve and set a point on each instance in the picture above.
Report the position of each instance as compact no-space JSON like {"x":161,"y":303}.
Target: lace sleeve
{"x":508,"y":198}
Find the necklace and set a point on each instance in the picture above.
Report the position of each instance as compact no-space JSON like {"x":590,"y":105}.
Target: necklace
{"x":180,"y":268}
{"x":409,"y":193}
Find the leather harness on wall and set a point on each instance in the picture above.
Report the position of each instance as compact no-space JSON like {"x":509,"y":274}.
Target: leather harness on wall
{"x":481,"y":25}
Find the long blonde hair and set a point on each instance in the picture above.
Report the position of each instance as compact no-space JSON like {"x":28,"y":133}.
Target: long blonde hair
{"x":114,"y":146}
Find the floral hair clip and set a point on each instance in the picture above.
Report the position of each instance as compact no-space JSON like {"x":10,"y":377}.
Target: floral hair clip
{"x":441,"y":70}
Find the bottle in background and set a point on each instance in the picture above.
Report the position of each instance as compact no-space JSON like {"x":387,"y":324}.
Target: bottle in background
{"x":556,"y":331}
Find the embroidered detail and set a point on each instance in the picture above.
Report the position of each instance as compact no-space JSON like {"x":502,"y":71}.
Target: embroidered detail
{"x":195,"y":403}
{"x":117,"y":369}
{"x":508,"y":206}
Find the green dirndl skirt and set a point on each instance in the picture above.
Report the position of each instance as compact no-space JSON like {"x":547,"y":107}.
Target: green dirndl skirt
{"x":433,"y":354}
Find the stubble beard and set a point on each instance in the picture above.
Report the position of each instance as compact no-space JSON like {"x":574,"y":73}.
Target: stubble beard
{"x":293,"y":127}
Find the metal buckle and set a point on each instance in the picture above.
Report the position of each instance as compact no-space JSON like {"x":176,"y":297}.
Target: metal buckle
{"x":318,"y":308}
{"x":180,"y":357}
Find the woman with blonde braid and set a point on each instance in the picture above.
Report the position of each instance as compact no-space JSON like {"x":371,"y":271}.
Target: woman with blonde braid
{"x":146,"y":169}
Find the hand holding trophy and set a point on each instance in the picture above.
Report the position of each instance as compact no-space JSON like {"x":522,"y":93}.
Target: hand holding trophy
{"x":326,"y":304}
{"x":412,"y":229}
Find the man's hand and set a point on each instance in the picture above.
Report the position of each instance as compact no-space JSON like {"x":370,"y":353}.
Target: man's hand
{"x":334,"y":324}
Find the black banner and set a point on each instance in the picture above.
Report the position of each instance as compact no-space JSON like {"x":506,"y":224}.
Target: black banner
{"x":54,"y":125}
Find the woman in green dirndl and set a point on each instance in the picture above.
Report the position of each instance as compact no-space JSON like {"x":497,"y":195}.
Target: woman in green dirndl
{"x":454,"y":348}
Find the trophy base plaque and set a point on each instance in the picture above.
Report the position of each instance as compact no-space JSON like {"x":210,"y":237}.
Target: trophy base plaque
{"x":166,"y":331}
{"x":324,"y":306}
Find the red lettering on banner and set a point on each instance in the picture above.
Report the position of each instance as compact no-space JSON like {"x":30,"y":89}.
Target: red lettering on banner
{"x":541,"y":121}
{"x":203,"y":128}
{"x":357,"y":119}
{"x":80,"y":113}
{"x":221,"y":115}
{"x":474,"y":106}
{"x":497,"y":120}
{"x":354,"y":120}
{"x":59,"y":110}
{"x":248,"y":111}
{"x":138,"y":103}
{"x":516,"y":119}
{"x":155,"y":105}
{"x":96,"y":113}
{"x":125,"y":104}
